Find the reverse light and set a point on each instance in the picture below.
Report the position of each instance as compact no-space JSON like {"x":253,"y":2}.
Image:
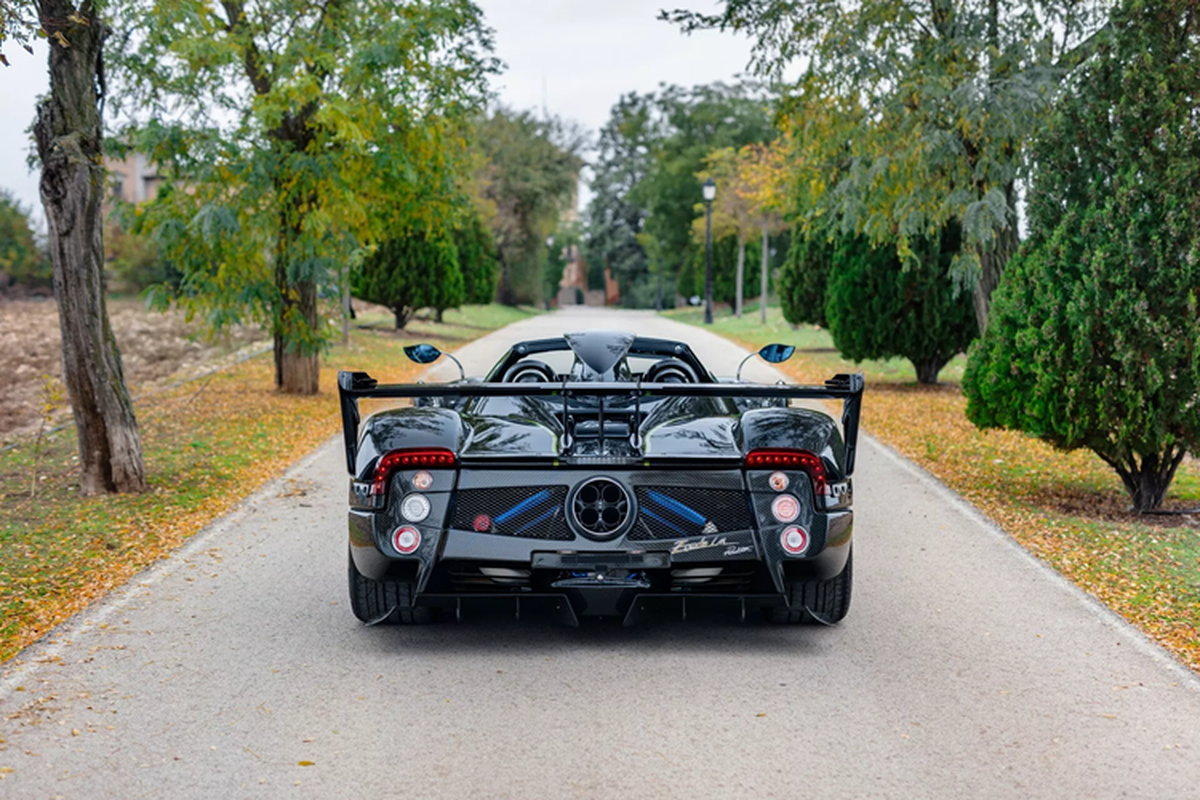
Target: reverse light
{"x":794,"y":540}
{"x":803,"y":460}
{"x":422,"y":480}
{"x":785,"y":508}
{"x":406,"y":540}
{"x":778,"y":481}
{"x":408,"y":459}
{"x":415,"y":507}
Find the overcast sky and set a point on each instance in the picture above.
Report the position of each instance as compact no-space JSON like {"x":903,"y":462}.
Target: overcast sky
{"x":579,"y":55}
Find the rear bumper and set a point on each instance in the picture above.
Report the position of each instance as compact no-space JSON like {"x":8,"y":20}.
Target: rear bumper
{"x":622,"y":578}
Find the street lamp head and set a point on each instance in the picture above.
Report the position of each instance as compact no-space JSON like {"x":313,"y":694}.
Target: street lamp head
{"x":710,"y":190}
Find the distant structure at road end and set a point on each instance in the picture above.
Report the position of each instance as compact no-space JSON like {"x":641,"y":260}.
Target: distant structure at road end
{"x":134,"y":178}
{"x":573,"y":288}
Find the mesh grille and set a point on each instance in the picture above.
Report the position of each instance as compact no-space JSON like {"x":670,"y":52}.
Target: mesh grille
{"x":533,"y":512}
{"x":672,"y":512}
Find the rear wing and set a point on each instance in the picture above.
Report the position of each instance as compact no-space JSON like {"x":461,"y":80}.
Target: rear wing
{"x":353,"y":386}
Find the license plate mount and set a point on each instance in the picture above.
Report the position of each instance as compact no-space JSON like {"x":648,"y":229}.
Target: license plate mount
{"x":600,"y":562}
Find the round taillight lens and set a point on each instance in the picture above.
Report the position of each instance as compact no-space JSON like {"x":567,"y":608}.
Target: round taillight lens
{"x":483,"y":523}
{"x":415,"y":507}
{"x":406,"y":540}
{"x":778,"y":481}
{"x":785,"y":508}
{"x":422,"y":480}
{"x":794,"y":540}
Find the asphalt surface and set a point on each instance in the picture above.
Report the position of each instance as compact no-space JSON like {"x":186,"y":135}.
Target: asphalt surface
{"x":235,"y":669}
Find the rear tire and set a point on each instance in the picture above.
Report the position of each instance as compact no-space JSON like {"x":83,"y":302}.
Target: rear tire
{"x":830,"y":599}
{"x":370,"y":600}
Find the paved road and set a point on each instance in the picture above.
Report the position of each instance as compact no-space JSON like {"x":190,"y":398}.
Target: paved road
{"x":964,"y":669}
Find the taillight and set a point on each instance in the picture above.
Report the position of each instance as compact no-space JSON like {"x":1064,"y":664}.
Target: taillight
{"x":406,"y":540}
{"x":794,"y":540}
{"x":802,"y":460}
{"x":785,"y":508}
{"x":408,"y":459}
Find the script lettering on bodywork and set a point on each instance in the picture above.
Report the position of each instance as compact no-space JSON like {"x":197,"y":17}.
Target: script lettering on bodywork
{"x":685,"y":546}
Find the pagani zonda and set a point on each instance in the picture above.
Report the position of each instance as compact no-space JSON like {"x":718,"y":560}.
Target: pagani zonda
{"x":599,"y":472}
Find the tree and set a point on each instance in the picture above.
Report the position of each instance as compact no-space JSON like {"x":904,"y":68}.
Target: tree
{"x":476,"y":259}
{"x":745,"y":206}
{"x":878,"y":307}
{"x":292,"y":134}
{"x":560,"y":246}
{"x":645,"y":191}
{"x":416,"y":270}
{"x":803,"y":278}
{"x":615,"y":217}
{"x":732,"y":213}
{"x":532,"y":174}
{"x":68,"y":134}
{"x":1094,"y":339}
{"x":725,"y":256}
{"x":763,"y":172}
{"x":22,"y":259}
{"x":695,"y":122}
{"x":16,"y":25}
{"x":450,"y":289}
{"x":953,"y":92}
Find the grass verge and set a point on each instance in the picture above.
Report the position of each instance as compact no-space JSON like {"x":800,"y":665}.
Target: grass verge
{"x":1067,"y":508}
{"x":208,"y":444}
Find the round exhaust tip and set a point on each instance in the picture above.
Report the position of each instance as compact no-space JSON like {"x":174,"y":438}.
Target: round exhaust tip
{"x":600,"y":508}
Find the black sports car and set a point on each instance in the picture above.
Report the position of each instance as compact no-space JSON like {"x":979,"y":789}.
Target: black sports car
{"x":600,"y":473}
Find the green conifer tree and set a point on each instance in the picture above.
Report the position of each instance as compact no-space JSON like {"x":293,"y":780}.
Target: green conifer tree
{"x":878,"y":307}
{"x":416,"y":270}
{"x":803,"y":277}
{"x":1095,"y":339}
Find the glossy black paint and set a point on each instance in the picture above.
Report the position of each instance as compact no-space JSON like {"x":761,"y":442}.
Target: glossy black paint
{"x":600,"y":351}
{"x":607,"y":422}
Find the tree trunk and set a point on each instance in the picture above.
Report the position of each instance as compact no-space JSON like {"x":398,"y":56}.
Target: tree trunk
{"x":438,"y":312}
{"x":928,"y":369}
{"x":401,"y":315}
{"x":762,"y":297}
{"x":991,"y":267}
{"x":1147,"y":483}
{"x":504,"y":293}
{"x":347,"y":309}
{"x":68,"y":134}
{"x":297,"y":366}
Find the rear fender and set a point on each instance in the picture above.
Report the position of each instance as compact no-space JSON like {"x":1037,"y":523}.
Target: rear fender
{"x":405,"y":428}
{"x":792,"y":429}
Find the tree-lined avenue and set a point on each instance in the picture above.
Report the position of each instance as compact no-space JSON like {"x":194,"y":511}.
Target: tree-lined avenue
{"x":964,"y":669}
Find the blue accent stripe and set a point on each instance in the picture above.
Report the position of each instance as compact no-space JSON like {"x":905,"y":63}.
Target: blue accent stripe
{"x":657,"y":518}
{"x":524,"y":505}
{"x":678,"y":508}
{"x":537,"y":521}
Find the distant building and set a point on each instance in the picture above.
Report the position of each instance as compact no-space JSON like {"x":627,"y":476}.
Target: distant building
{"x":573,"y":288}
{"x":134,"y":178}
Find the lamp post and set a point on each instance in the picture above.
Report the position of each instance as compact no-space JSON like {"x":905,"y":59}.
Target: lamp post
{"x":550,"y":257}
{"x":710,"y":193}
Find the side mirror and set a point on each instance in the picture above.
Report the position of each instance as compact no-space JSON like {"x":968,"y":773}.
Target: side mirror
{"x":422,"y":353}
{"x":427,"y":354}
{"x":777,"y":353}
{"x":772,"y":354}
